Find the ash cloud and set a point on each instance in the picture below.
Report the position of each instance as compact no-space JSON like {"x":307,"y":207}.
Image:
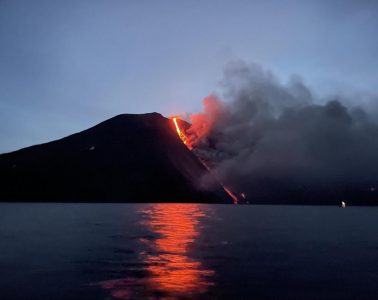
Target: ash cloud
{"x":276,"y":143}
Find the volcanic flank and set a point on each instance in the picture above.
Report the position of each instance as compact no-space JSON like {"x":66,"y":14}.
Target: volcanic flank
{"x":128,"y":158}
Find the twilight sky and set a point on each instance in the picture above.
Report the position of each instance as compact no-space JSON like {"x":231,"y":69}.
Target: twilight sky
{"x":67,"y":65}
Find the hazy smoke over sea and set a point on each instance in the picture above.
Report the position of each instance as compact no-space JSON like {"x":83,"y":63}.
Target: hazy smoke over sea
{"x":277,"y":144}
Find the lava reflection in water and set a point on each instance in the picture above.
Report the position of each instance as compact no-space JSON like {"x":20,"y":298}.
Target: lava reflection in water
{"x":170,"y":267}
{"x":171,"y":272}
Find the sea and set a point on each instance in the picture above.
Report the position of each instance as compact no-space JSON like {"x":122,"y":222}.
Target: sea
{"x":187,"y":251}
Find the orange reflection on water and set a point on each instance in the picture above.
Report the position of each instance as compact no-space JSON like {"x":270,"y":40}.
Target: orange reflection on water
{"x":171,"y":269}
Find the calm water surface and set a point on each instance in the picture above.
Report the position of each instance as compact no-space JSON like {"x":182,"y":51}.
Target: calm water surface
{"x":187,"y":251}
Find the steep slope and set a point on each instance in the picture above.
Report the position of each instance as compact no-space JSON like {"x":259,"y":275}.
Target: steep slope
{"x":128,"y":158}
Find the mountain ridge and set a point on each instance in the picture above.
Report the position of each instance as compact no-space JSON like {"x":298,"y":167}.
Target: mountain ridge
{"x":127,"y":158}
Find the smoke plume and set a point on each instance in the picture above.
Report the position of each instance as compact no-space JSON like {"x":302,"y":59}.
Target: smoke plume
{"x":276,"y":143}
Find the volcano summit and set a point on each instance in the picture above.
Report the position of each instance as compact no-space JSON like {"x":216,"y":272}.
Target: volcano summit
{"x":128,"y":158}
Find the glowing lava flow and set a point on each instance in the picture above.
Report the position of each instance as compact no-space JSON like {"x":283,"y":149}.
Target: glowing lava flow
{"x":228,"y":191}
{"x":181,"y":134}
{"x":184,"y":139}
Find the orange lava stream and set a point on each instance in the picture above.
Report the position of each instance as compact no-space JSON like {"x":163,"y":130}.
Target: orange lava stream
{"x":181,"y":134}
{"x":228,"y":191}
{"x":184,"y":139}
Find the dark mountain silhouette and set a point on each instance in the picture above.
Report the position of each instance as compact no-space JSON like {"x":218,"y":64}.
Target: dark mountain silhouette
{"x":128,"y":158}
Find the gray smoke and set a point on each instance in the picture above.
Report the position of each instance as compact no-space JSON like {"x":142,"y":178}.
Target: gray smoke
{"x":274,"y":142}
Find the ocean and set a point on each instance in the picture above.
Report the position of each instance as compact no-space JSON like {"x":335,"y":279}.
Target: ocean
{"x":187,"y":251}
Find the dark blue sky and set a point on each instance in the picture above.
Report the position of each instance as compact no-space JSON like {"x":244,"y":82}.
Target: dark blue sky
{"x":67,"y":65}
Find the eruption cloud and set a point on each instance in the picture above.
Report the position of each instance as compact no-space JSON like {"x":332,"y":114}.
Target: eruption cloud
{"x":278,"y":144}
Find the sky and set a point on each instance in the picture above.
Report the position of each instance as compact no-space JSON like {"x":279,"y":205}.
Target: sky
{"x":68,"y":65}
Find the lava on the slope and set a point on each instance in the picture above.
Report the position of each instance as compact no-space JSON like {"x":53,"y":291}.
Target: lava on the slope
{"x":181,"y":132}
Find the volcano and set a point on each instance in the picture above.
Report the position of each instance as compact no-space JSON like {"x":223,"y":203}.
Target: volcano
{"x":128,"y":158}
